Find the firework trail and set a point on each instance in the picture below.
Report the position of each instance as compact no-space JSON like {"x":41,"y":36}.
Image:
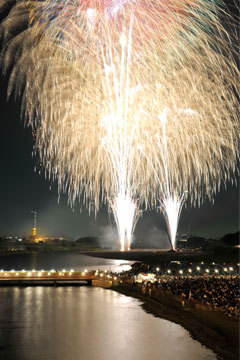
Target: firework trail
{"x":171,"y":203}
{"x":96,"y":19}
{"x":97,"y":77}
{"x":171,"y":208}
{"x":119,"y":141}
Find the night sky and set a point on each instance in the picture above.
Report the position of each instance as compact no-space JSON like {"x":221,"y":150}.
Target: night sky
{"x":22,"y":190}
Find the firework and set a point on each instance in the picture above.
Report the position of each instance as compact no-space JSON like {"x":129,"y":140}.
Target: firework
{"x":98,"y":19}
{"x":171,"y":208}
{"x":127,"y":105}
{"x":126,"y":215}
{"x":171,"y":204}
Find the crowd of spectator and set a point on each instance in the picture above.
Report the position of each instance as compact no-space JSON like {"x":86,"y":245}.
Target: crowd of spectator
{"x":219,"y":291}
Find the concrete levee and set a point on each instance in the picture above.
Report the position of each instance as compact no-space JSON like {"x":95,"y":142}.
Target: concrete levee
{"x":102,"y":283}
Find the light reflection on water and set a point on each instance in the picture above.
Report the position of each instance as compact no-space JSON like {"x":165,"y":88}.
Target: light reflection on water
{"x":73,"y":323}
{"x":87,"y":323}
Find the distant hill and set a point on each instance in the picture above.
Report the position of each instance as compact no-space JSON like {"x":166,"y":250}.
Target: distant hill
{"x":231,"y":239}
{"x":88,"y":240}
{"x":195,"y":242}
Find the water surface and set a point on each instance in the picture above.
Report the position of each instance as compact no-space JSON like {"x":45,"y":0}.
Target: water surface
{"x":87,"y":323}
{"x":60,"y":260}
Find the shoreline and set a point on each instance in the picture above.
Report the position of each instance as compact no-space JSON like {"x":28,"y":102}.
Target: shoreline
{"x":147,"y":256}
{"x":155,"y":256}
{"x":211,"y":328}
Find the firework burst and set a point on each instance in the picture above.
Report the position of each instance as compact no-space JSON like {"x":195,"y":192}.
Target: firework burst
{"x":129,"y":100}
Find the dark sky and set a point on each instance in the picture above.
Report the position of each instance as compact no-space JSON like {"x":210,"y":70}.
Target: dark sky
{"x":22,"y":190}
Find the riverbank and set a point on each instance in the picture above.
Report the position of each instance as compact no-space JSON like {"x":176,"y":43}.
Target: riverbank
{"x":148,"y":256}
{"x":153,"y":257}
{"x":212,"y":328}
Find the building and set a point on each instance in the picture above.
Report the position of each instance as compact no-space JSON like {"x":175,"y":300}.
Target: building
{"x":35,"y":238}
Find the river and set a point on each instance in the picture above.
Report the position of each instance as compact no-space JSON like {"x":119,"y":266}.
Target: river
{"x":81,"y":322}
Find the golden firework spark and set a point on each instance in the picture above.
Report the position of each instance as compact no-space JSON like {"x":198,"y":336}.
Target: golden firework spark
{"x":123,"y":116}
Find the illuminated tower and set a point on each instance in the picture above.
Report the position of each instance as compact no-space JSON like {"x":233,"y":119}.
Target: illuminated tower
{"x":34,"y":229}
